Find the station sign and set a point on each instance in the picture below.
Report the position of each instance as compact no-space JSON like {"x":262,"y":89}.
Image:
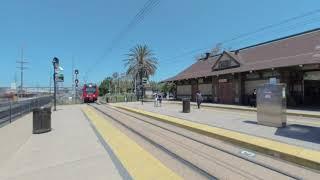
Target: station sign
{"x":144,"y":80}
{"x":60,"y":78}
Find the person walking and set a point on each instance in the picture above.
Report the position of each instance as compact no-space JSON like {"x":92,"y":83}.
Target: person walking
{"x":199,"y":98}
{"x":160,"y":99}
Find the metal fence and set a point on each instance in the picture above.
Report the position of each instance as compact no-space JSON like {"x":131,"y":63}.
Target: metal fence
{"x":10,"y":111}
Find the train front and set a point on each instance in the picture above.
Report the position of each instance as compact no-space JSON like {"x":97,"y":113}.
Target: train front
{"x":90,"y":93}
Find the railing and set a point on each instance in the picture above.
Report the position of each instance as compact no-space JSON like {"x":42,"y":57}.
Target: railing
{"x":9,"y":111}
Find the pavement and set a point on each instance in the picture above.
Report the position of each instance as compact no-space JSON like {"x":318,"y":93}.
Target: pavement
{"x":293,"y":112}
{"x":70,"y":151}
{"x":298,"y":142}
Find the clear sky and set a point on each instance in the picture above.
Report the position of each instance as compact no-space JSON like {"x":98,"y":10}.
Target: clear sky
{"x":84,"y":29}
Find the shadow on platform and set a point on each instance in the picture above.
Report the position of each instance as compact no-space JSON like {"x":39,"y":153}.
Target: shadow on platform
{"x":300,"y":132}
{"x":297,"y":131}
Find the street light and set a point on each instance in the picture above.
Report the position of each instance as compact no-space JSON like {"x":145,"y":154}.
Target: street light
{"x":55,"y":63}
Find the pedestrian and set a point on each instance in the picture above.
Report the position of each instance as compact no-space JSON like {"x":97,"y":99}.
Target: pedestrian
{"x":160,"y":99}
{"x":254,"y":98}
{"x":125,"y":98}
{"x":199,"y":98}
{"x":155,"y":99}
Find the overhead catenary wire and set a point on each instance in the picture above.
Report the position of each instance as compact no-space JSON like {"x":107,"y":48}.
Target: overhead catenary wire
{"x":286,"y":28}
{"x":138,"y":18}
{"x":281,"y":30}
{"x":248,"y":34}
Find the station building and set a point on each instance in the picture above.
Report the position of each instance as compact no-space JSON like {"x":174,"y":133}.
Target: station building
{"x":231,"y":77}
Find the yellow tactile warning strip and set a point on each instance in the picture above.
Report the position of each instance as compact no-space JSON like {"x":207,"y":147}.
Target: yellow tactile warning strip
{"x":303,"y":114}
{"x":299,"y":155}
{"x":138,"y":162}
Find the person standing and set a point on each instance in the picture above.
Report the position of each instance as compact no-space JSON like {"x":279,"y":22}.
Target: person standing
{"x":254,"y":98}
{"x":160,"y":99}
{"x":199,"y":98}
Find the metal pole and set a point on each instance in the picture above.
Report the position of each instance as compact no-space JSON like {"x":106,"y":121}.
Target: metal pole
{"x":21,"y":73}
{"x":55,"y":63}
{"x":142,"y":94}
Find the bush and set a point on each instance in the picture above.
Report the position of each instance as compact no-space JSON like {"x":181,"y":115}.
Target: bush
{"x":113,"y":98}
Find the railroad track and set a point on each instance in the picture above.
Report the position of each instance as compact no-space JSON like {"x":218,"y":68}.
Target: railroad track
{"x":202,"y":157}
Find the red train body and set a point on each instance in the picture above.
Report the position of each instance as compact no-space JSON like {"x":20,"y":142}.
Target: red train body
{"x":90,"y":93}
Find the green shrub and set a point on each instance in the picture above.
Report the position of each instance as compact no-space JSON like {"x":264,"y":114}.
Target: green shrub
{"x":114,"y":98}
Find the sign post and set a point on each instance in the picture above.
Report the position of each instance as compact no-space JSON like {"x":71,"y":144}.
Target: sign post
{"x":55,"y":63}
{"x":144,"y":82}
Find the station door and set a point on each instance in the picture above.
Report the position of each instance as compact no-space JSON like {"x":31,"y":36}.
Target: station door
{"x":225,"y":93}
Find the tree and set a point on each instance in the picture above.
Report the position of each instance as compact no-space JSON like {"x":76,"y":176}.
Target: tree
{"x":141,"y":62}
{"x":155,"y":86}
{"x":168,"y":87}
{"x":105,"y":86}
{"x":115,"y":77}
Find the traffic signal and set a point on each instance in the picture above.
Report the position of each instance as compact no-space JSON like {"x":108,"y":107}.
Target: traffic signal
{"x":76,"y":71}
{"x":77,"y":82}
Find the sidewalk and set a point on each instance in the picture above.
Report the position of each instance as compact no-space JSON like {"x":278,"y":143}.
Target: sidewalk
{"x":293,"y":112}
{"x":70,"y":151}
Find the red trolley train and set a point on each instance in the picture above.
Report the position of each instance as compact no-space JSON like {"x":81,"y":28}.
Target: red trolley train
{"x":90,"y":93}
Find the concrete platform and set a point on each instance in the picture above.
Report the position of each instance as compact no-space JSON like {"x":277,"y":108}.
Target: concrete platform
{"x":139,"y":163}
{"x":70,"y":151}
{"x":262,"y":138}
{"x":292,"y":112}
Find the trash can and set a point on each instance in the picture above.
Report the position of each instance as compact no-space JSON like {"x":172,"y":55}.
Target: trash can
{"x":41,"y":120}
{"x":186,"y":105}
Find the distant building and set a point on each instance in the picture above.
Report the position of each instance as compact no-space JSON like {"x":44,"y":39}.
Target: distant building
{"x":231,"y":77}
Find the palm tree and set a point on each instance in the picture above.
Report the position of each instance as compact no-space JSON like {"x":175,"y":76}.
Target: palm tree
{"x":141,"y":62}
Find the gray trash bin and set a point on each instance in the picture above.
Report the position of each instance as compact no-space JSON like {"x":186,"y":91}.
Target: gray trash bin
{"x":42,"y":120}
{"x":186,"y":105}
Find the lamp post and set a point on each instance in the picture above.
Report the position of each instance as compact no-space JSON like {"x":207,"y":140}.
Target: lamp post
{"x":55,"y":63}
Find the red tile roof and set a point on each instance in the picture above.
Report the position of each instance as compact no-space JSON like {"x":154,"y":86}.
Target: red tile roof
{"x":303,"y":48}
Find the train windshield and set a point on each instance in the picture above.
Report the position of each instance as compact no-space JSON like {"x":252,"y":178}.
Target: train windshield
{"x":90,"y":90}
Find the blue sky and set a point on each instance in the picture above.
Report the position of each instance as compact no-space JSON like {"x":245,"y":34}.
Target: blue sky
{"x":84,"y":30}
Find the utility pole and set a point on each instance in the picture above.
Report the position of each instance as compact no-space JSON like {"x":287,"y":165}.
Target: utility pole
{"x":50,"y":82}
{"x":21,"y":66}
{"x":73,"y":86}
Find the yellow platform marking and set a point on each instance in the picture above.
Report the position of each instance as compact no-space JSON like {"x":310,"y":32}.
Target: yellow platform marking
{"x":293,"y":153}
{"x":139,"y":163}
